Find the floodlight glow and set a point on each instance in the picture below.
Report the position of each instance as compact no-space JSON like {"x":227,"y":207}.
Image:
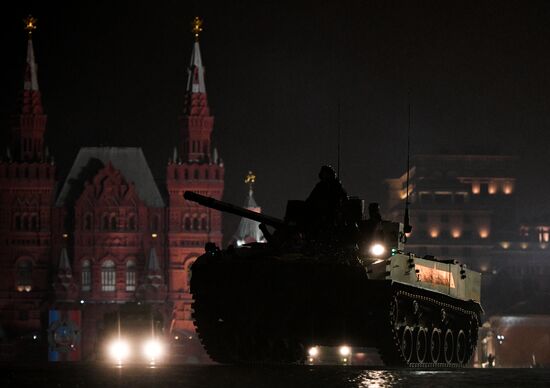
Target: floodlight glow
{"x":377,"y":249}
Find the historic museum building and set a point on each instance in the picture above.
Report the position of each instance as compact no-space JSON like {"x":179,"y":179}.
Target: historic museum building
{"x":104,"y":235}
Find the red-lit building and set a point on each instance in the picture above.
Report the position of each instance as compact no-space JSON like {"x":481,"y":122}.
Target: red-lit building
{"x":106,"y":237}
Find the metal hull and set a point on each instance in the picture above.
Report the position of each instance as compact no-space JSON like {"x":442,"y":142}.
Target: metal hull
{"x":254,"y":306}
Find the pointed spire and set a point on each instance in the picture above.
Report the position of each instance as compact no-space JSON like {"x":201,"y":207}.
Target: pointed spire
{"x":64,"y":267}
{"x":215,"y":156}
{"x":248,"y":230}
{"x":175,"y":155}
{"x":153,"y":266}
{"x":30,"y":122}
{"x":195,"y":79}
{"x":197,"y":121}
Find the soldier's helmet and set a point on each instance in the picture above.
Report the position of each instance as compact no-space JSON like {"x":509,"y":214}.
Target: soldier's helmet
{"x":327,"y":173}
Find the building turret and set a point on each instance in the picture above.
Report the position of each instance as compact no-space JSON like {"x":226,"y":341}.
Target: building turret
{"x":248,"y":230}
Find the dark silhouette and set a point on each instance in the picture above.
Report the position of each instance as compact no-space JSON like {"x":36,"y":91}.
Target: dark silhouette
{"x":325,"y":202}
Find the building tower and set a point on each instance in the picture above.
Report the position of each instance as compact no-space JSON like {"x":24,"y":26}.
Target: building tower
{"x":248,"y":230}
{"x":194,"y":166}
{"x":27,"y":179}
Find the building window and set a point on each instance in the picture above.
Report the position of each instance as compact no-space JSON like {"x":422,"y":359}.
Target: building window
{"x":187,"y":223}
{"x":86,"y":279}
{"x":186,"y":173}
{"x":130,"y":275}
{"x":155,"y":222}
{"x":132,"y":223}
{"x":444,"y":218}
{"x":460,"y":199}
{"x":108,"y":276}
{"x":217,"y":174}
{"x":196,"y":174}
{"x":105,"y":222}
{"x":23,"y":275}
{"x":195,"y":223}
{"x":17,"y":222}
{"x":34,"y":222}
{"x":25,"y":222}
{"x":206,"y":174}
{"x":113,"y":223}
{"x":204,"y":223}
{"x":88,"y":222}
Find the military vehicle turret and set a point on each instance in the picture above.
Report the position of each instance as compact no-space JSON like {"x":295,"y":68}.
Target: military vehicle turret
{"x":327,"y":280}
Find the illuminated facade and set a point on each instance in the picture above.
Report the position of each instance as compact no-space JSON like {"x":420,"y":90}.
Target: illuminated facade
{"x":248,"y":230}
{"x":463,"y":207}
{"x":106,"y":236}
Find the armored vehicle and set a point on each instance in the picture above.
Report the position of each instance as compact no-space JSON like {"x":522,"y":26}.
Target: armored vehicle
{"x":347,"y":281}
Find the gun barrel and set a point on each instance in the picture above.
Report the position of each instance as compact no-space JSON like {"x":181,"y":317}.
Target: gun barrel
{"x":229,"y":208}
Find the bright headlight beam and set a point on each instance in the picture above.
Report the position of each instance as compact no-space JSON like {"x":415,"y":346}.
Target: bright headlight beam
{"x":377,"y":249}
{"x":152,"y":349}
{"x":119,"y":350}
{"x":345,"y":351}
{"x":313,"y":351}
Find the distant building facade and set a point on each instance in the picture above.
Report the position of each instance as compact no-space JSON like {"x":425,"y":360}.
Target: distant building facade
{"x":463,"y":207}
{"x":107,"y":236}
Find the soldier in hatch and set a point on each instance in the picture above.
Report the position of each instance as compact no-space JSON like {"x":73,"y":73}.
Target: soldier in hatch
{"x":326,"y":200}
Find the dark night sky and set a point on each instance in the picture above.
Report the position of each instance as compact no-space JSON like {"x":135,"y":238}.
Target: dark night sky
{"x":114,"y":73}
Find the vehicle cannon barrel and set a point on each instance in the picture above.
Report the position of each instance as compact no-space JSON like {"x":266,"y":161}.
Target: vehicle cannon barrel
{"x":230,"y":208}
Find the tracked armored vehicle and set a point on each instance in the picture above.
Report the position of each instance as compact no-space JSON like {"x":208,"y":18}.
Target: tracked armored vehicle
{"x":350,"y":283}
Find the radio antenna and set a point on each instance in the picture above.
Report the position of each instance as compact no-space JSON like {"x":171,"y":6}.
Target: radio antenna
{"x":338,"y":140}
{"x":407,"y":228}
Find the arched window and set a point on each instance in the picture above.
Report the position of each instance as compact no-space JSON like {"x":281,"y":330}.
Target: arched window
{"x":195,"y":223}
{"x":17,"y":222}
{"x":155,"y":222}
{"x":86,"y":277}
{"x":189,"y":273}
{"x":196,"y":174}
{"x":187,"y":223}
{"x":204,"y":223}
{"x":88,"y":222}
{"x":34,"y":222}
{"x":105,"y":222}
{"x":175,"y":172}
{"x":23,"y":275}
{"x":113,"y":223}
{"x":205,"y":174}
{"x":186,"y":174}
{"x":132,"y":222}
{"x":217,"y":174}
{"x":108,"y":276}
{"x":25,"y":222}
{"x":130,"y":275}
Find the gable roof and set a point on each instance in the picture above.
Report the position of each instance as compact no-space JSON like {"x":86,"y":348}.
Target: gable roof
{"x":130,"y":161}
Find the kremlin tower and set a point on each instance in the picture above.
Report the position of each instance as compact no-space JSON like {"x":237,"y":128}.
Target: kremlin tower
{"x":27,"y":180}
{"x":195,"y":166}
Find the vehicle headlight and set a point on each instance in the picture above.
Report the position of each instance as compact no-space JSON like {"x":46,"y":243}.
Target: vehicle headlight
{"x":377,"y":249}
{"x":345,"y":351}
{"x":119,"y":350}
{"x":152,"y":349}
{"x":313,"y":351}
